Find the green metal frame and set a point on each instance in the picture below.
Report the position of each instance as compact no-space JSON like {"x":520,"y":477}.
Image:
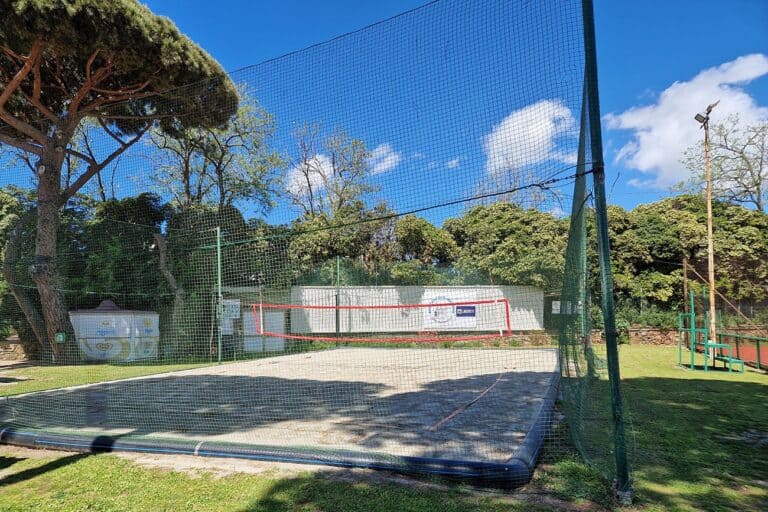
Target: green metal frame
{"x":700,"y":337}
{"x":738,"y":338}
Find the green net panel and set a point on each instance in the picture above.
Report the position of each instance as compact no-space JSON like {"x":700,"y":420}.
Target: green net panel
{"x":386,"y":258}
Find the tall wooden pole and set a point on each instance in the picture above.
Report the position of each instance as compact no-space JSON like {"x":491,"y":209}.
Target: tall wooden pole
{"x":710,"y":239}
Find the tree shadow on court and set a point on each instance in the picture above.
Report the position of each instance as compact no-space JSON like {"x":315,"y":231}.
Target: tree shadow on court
{"x":441,"y":419}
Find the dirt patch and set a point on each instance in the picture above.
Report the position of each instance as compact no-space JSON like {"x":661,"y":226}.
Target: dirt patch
{"x":221,"y":467}
{"x":12,"y":352}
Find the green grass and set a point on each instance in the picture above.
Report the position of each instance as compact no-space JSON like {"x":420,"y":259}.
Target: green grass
{"x":694,"y":434}
{"x":27,"y":379}
{"x":695,"y":444}
{"x":108,"y":483}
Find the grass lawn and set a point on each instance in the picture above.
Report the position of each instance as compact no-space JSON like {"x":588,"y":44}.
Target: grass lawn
{"x":27,"y":379}
{"x":699,"y":442}
{"x":700,"y":439}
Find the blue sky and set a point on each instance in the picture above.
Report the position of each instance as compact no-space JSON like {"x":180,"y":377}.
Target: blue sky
{"x":439,"y":130}
{"x":644,"y":49}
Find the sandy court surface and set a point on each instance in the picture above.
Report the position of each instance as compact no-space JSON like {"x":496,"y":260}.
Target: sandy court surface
{"x":472,"y":405}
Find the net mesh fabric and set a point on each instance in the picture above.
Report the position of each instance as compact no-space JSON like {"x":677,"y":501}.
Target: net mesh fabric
{"x":444,"y":154}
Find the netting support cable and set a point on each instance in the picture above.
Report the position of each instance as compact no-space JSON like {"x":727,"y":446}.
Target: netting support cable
{"x":541,"y":185}
{"x":623,"y":483}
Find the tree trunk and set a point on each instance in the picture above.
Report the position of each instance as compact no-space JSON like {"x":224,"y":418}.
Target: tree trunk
{"x":43,"y":270}
{"x":21,"y":293}
{"x":178,"y":292}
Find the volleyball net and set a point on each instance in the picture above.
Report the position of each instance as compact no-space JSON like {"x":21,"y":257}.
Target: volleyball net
{"x":439,"y":320}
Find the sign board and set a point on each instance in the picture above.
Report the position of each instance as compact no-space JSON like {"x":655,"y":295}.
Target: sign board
{"x":555,"y":307}
{"x":230,"y":309}
{"x":444,"y":316}
{"x":466,"y":311}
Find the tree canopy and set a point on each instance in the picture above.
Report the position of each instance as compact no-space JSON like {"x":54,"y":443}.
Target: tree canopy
{"x":65,"y":60}
{"x":115,"y":63}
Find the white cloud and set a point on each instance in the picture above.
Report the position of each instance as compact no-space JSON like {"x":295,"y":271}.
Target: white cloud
{"x":318,"y":169}
{"x":661,"y":132}
{"x":453,"y":164}
{"x":529,"y":136}
{"x":383,"y":158}
{"x":315,"y":170}
{"x":557,"y":211}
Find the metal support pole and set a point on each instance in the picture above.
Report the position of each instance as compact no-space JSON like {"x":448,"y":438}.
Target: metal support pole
{"x":692,"y":327}
{"x":219,"y":294}
{"x":338,"y":286}
{"x":685,"y":284}
{"x":623,"y":484}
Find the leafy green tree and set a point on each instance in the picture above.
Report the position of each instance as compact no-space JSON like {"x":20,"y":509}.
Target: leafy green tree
{"x":117,"y":255}
{"x":10,"y":211}
{"x":507,"y":244}
{"x":649,"y":244}
{"x":420,"y":240}
{"x":355,"y":232}
{"x":116,"y":63}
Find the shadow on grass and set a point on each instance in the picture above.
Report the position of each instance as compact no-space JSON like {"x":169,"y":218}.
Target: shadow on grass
{"x":318,"y":493}
{"x":6,"y":462}
{"x":696,"y":443}
{"x":9,"y":380}
{"x":28,"y":474}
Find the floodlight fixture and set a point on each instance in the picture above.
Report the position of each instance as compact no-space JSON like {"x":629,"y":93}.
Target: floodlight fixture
{"x":701,"y":118}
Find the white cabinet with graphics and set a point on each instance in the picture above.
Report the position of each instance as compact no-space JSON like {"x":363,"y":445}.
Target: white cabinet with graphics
{"x":108,"y":333}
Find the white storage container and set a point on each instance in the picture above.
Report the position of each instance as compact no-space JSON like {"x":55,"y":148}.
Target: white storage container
{"x":108,"y":333}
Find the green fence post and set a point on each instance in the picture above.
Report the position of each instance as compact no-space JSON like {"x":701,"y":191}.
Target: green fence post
{"x":692,"y":327}
{"x":680,"y":338}
{"x":338,"y":286}
{"x":623,"y":484}
{"x":579,"y":204}
{"x":219,"y":294}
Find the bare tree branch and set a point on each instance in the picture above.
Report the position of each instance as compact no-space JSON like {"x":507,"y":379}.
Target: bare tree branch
{"x":93,"y":169}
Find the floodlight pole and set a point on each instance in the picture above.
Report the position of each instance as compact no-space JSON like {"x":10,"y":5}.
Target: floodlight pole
{"x":704,"y":120}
